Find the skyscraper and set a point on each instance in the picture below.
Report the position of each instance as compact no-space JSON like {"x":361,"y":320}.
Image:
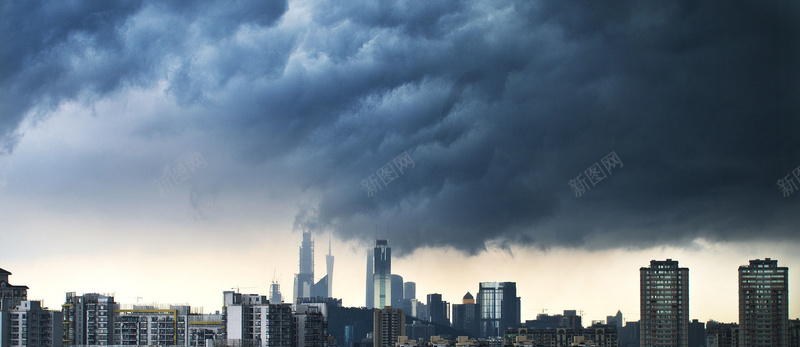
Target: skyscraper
{"x":409,"y":290}
{"x":383,"y":274}
{"x":304,"y":280}
{"x":499,"y":307}
{"x":329,"y":266}
{"x":370,"y":299}
{"x":397,"y":289}
{"x":465,"y":316}
{"x":437,"y":309}
{"x":664,"y":304}
{"x":763,"y":304}
{"x":88,"y":319}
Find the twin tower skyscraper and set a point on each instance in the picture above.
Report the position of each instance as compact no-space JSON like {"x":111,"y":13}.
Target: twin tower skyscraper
{"x":304,"y":286}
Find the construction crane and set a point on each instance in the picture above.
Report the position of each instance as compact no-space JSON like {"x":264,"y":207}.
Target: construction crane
{"x":238,"y":287}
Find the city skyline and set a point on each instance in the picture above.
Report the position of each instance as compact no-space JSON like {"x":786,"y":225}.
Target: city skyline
{"x":704,"y":301}
{"x":150,"y":147}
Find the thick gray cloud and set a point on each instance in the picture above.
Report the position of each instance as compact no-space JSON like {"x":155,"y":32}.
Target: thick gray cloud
{"x":499,"y":104}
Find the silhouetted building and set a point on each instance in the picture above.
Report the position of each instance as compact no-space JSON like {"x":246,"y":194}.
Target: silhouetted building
{"x":383,"y":274}
{"x":320,"y":289}
{"x":397,"y":289}
{"x":370,"y":297}
{"x":438,"y":310}
{"x":10,"y":295}
{"x":794,"y":333}
{"x":466,"y":315}
{"x":499,"y":307}
{"x":420,"y":331}
{"x":409,"y":290}
{"x":615,"y":320}
{"x":722,"y":334}
{"x":571,"y":320}
{"x":275,"y":296}
{"x":600,"y":335}
{"x":389,"y":324}
{"x":664,"y":304}
{"x":304,"y":279}
{"x":763,"y":304}
{"x":329,"y":266}
{"x":697,"y":333}
{"x":629,"y":335}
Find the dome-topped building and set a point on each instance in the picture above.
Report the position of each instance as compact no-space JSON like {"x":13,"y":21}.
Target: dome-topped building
{"x":468,"y":299}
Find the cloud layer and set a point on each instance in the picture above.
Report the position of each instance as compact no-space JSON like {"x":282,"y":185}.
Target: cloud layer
{"x":498,"y":104}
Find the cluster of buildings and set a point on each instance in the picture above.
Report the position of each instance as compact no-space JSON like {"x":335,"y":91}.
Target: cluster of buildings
{"x":395,"y":317}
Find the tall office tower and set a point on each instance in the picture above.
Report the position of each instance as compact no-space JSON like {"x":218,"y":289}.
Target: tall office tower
{"x":389,"y":323}
{"x":409,"y":290}
{"x":499,"y":307}
{"x":763,"y":304}
{"x":397,"y":288}
{"x":465,"y":316}
{"x":250,"y":318}
{"x":370,"y":301}
{"x":88,"y":319}
{"x":275,"y":293}
{"x":329,"y":267}
{"x":304,"y":280}
{"x":10,"y":295}
{"x":438,"y":310}
{"x":31,"y":325}
{"x":383,"y":274}
{"x":664,"y":304}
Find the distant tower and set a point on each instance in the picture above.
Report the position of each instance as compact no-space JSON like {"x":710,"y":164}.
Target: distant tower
{"x":329,"y":263}
{"x":304,"y":281}
{"x":275,"y":293}
{"x":397,"y":289}
{"x":383,"y":274}
{"x":409,"y":290}
{"x":370,"y":303}
{"x":664,"y":302}
{"x":763,"y":304}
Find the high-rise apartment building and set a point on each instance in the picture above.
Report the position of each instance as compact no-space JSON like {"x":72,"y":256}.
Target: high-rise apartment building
{"x":382,"y":255}
{"x":664,"y":304}
{"x":30,"y":325}
{"x":389,"y":324}
{"x":251,"y":318}
{"x":152,"y":325}
{"x":499,"y":307}
{"x":763,"y":304}
{"x":88,"y":319}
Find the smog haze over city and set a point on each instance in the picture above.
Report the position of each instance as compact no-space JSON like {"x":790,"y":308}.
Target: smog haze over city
{"x":169,"y":151}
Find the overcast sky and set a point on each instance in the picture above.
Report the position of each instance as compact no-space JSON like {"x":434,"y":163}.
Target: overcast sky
{"x":156,"y":149}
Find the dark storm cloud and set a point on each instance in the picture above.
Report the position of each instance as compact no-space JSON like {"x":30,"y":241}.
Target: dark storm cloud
{"x":499,"y":104}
